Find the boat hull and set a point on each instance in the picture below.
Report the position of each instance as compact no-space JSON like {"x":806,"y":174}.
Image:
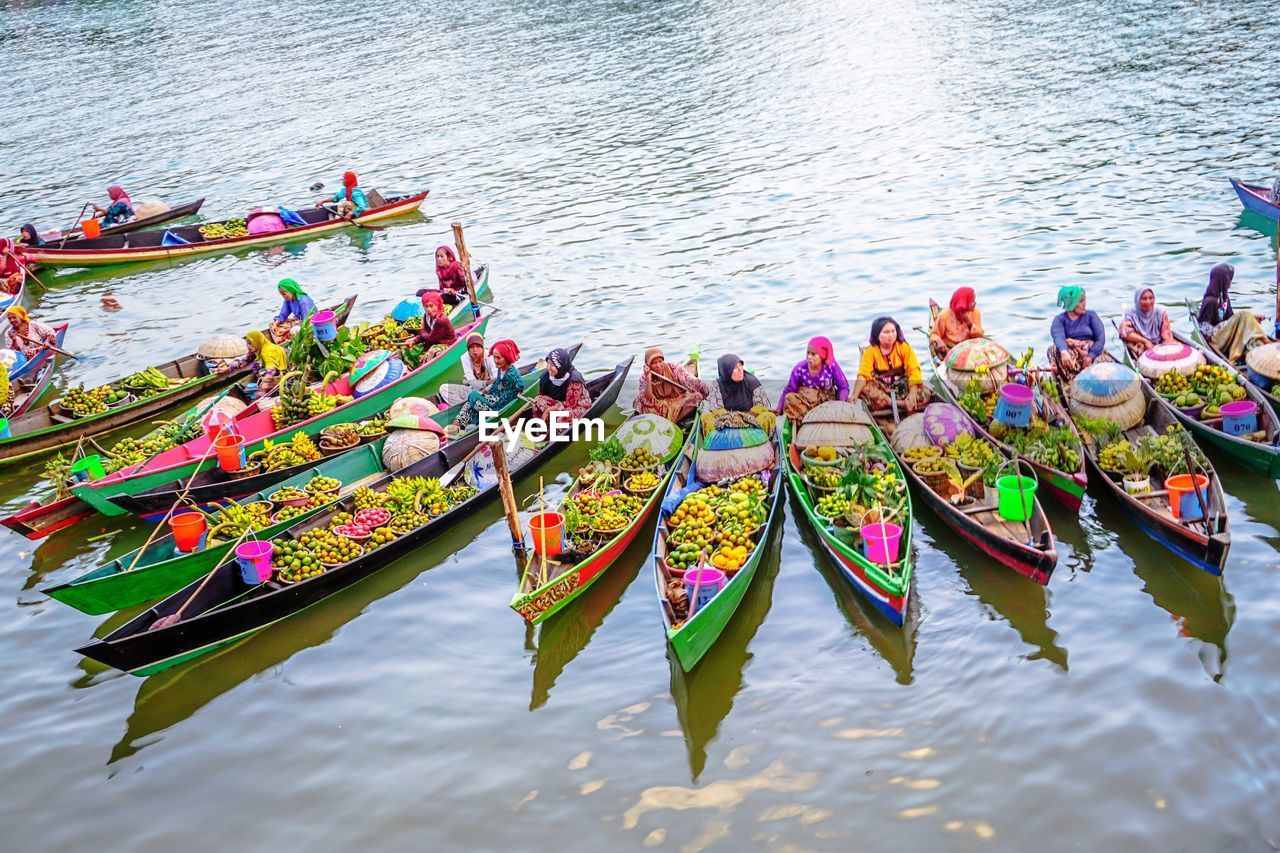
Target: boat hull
{"x":1256,"y":199}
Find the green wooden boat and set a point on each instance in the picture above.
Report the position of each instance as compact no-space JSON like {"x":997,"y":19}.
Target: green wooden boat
{"x":1261,"y":455}
{"x":546,"y":588}
{"x":161,"y":571}
{"x":887,"y":588}
{"x":692,"y":638}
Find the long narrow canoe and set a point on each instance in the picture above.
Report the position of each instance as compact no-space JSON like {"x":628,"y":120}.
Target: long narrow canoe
{"x":181,"y":211}
{"x":214,"y":484}
{"x":1026,"y":547}
{"x":40,"y":519}
{"x":225,"y":609}
{"x":887,"y":587}
{"x":52,"y":427}
{"x":544,"y":589}
{"x":1256,"y":199}
{"x":30,"y":381}
{"x":130,"y":579}
{"x":1216,"y":356}
{"x":1205,"y":544}
{"x":1066,"y":487}
{"x":691,"y":639}
{"x":148,"y":245}
{"x":1259,"y":452}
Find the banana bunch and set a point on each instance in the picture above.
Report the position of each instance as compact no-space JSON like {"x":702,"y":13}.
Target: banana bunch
{"x":299,"y":449}
{"x":318,"y":404}
{"x":6,"y":390}
{"x":234,"y":519}
{"x":366,"y":498}
{"x":149,"y":382}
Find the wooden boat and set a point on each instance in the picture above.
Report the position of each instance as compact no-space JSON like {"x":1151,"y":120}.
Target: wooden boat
{"x":1066,"y":487}
{"x":1026,"y":547}
{"x":37,"y":520}
{"x":545,"y":588}
{"x":30,"y":381}
{"x":1259,"y":452}
{"x":132,"y":579}
{"x":152,"y":245}
{"x":887,"y":587}
{"x":1205,"y":543}
{"x":52,"y":427}
{"x":224,"y":609}
{"x":1216,"y":356}
{"x":1256,"y":199}
{"x":214,"y":484}
{"x":181,"y":211}
{"x":7,"y":300}
{"x":691,"y":639}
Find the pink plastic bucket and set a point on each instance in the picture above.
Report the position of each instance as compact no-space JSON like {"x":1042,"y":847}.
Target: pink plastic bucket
{"x":255,"y":561}
{"x":707,"y":583}
{"x":1014,"y":406}
{"x":883,"y":541}
{"x":1240,"y":417}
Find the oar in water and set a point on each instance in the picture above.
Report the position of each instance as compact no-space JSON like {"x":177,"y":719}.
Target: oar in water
{"x":20,"y":262}
{"x":354,"y":221}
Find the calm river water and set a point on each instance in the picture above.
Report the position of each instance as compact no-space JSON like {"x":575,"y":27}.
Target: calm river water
{"x":734,"y":175}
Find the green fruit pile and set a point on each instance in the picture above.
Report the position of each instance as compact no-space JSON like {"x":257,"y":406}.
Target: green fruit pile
{"x":129,"y":451}
{"x":293,"y":561}
{"x":329,"y":547}
{"x":1172,"y":383}
{"x":94,"y":401}
{"x":640,"y":458}
{"x":223,"y":230}
{"x":827,"y":478}
{"x":386,"y":335}
{"x":149,"y":382}
{"x":1110,"y":457}
{"x":684,"y":556}
{"x":322,"y":484}
{"x":834,"y":505}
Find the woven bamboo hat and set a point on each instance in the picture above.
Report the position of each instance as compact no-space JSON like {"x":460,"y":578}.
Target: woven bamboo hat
{"x":1265,"y":360}
{"x":224,"y":346}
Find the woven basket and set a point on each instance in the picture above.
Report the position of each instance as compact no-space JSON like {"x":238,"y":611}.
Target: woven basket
{"x":1125,"y":415}
{"x":1105,"y":384}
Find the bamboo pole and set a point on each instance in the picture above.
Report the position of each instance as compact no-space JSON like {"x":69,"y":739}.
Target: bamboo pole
{"x":508,"y":496}
{"x":464,"y":258}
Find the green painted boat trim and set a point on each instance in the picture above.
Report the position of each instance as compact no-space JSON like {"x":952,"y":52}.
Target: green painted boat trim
{"x":422,"y":383}
{"x":891,"y":584}
{"x":692,"y":640}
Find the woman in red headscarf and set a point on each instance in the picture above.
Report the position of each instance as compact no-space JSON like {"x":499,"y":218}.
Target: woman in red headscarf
{"x":960,"y":321}
{"x":813,"y":381}
{"x":350,"y":200}
{"x":437,"y":333}
{"x":506,"y":388}
{"x":10,"y":268}
{"x":453,"y":279}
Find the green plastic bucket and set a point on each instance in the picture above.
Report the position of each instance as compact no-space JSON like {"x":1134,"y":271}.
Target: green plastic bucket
{"x":88,"y":468}
{"x":1016,"y":497}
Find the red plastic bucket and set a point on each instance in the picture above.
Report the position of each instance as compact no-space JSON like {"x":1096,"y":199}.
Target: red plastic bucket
{"x":187,"y":529}
{"x":547,"y":529}
{"x":230,"y":450}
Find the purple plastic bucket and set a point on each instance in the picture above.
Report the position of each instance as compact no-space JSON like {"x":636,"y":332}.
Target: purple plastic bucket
{"x":1240,"y":417}
{"x":1014,"y":406}
{"x":708,"y":582}
{"x":255,"y":561}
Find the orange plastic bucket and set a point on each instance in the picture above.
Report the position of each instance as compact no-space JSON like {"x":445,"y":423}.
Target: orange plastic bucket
{"x":187,"y":529}
{"x":547,"y":529}
{"x":1182,"y":495}
{"x":91,"y":228}
{"x":230,"y":450}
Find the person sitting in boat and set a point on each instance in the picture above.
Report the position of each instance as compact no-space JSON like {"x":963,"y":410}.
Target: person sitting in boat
{"x":1230,"y":333}
{"x":478,"y":372}
{"x":1146,"y":324}
{"x":815,"y":380}
{"x":668,"y":389}
{"x":267,"y":361}
{"x":348,"y":202}
{"x":890,"y":371}
{"x":508,"y":385}
{"x":959,"y":321}
{"x":562,"y":388}
{"x":735,"y":390}
{"x":295,"y":309}
{"x":1078,"y":336}
{"x":437,"y":333}
{"x":10,"y":267}
{"x":26,"y":335}
{"x":453,"y":279}
{"x":120,"y":209}
{"x":29,"y":236}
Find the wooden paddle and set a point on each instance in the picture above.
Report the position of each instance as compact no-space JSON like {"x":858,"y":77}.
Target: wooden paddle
{"x":354,"y":221}
{"x":66,"y":235}
{"x":43,"y":345}
{"x":177,"y":501}
{"x":1195,"y":484}
{"x":26,"y":269}
{"x":176,"y":617}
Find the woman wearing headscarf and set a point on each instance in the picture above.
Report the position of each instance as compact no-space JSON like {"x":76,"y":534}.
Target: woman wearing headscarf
{"x":120,"y":209}
{"x":453,"y":279}
{"x":10,"y":267}
{"x":29,"y":236}
{"x":1146,"y":324}
{"x":959,"y":321}
{"x":266,"y":360}
{"x":562,"y":388}
{"x":813,"y":381}
{"x":350,"y":201}
{"x":890,"y":371}
{"x":1078,"y":336}
{"x":26,"y":335}
{"x":1230,"y":333}
{"x":437,"y":333}
{"x":735,"y":390}
{"x":668,"y":389}
{"x":508,"y":385}
{"x":297,"y":306}
{"x":478,"y":372}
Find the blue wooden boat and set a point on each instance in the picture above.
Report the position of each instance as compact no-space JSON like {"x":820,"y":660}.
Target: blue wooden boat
{"x":31,"y":379}
{"x":1256,"y":199}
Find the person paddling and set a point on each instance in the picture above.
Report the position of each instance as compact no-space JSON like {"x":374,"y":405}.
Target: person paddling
{"x":26,"y":335}
{"x":120,"y":209}
{"x":350,"y":200}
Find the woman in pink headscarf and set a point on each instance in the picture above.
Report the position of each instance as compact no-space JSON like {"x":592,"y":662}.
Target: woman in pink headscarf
{"x":815,"y":380}
{"x":120,"y":209}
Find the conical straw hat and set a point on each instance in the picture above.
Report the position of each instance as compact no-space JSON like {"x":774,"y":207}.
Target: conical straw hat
{"x":1265,"y":360}
{"x":224,"y":346}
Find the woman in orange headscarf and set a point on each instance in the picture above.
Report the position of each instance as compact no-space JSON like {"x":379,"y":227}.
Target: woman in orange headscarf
{"x":26,"y":335}
{"x":960,"y":321}
{"x":668,"y":389}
